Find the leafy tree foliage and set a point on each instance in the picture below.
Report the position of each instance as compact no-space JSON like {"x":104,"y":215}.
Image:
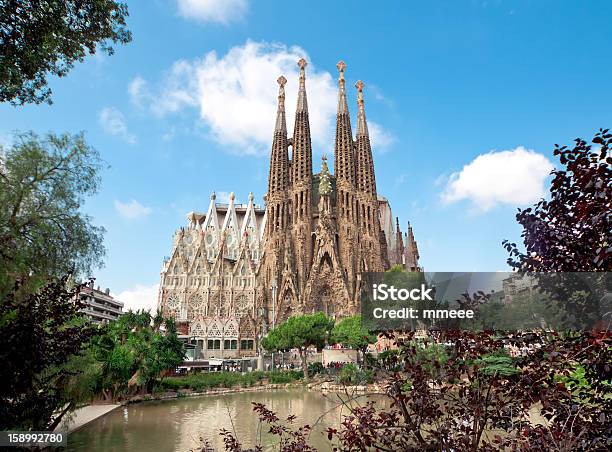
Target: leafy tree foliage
{"x":350,"y":332}
{"x":572,"y":231}
{"x":43,"y":184}
{"x":40,"y":332}
{"x":351,"y":374}
{"x":301,"y":332}
{"x":133,"y":351}
{"x":39,"y":38}
{"x":44,"y":242}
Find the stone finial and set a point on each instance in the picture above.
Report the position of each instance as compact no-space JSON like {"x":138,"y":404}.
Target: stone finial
{"x":213,"y":196}
{"x":324,"y":180}
{"x":232,"y":196}
{"x":302,"y":104}
{"x":280,"y":116}
{"x":362,"y":126}
{"x":342,"y":102}
{"x":251,"y":197}
{"x":341,"y":67}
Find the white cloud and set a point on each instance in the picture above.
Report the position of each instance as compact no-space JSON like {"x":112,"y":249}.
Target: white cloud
{"x":379,"y":137}
{"x":138,"y":91}
{"x":515,"y":177}
{"x":139,"y":297}
{"x":223,"y":11}
{"x":236,"y":95}
{"x":132,"y":209}
{"x":113,"y":122}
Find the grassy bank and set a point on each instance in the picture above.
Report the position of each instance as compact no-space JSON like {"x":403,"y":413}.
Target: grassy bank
{"x":199,"y":382}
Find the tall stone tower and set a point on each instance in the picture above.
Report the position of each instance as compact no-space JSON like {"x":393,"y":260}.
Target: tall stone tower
{"x":322,"y":230}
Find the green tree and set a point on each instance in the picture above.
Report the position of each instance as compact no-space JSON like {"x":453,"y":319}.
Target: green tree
{"x":40,"y":333}
{"x":45,"y":241}
{"x":350,"y":332}
{"x":300,"y":332}
{"x":134,"y":351}
{"x":43,"y":233}
{"x":46,"y":37}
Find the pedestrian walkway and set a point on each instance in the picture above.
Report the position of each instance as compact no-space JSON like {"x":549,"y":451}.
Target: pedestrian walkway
{"x":84,"y":416}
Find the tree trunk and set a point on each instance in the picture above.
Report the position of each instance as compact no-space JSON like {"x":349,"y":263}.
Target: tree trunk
{"x":60,"y":416}
{"x":304,"y":358}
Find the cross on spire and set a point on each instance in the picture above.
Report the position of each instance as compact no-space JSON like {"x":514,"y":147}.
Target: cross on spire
{"x":341,"y":67}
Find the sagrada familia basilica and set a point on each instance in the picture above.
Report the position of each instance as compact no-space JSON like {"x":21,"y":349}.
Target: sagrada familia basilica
{"x":237,"y":270}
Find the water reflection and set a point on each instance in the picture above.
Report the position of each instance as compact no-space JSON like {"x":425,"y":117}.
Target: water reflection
{"x":177,"y":425}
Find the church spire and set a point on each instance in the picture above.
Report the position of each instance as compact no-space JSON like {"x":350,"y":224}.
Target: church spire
{"x":366,"y":180}
{"x":302,"y":104}
{"x":344,"y":162}
{"x":279,"y":160}
{"x":301,"y":162}
{"x":400,"y":240}
{"x":342,"y":103}
{"x":362,"y":125}
{"x":281,"y":122}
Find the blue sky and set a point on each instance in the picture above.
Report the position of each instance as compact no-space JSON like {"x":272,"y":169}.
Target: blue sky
{"x":465,"y":100}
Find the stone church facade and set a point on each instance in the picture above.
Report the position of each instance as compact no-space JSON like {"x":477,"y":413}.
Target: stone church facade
{"x":208,"y":283}
{"x":238,"y":270}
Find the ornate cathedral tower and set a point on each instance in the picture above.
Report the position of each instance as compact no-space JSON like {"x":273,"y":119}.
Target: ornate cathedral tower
{"x":278,"y":250}
{"x":301,"y":184}
{"x":278,"y":180}
{"x":346,"y":202}
{"x":372,"y":249}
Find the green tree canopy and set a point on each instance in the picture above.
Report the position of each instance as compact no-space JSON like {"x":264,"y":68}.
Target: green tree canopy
{"x":46,"y":37}
{"x":351,"y":333}
{"x":43,"y":184}
{"x":300,"y":332}
{"x":134,"y":351}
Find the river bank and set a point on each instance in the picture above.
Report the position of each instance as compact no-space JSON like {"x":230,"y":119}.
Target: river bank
{"x":83,"y":416}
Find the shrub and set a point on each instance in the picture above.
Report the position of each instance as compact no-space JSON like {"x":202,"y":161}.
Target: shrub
{"x":497,"y":363}
{"x":350,"y":374}
{"x":285,"y":377}
{"x":316,"y":368}
{"x":203,"y":381}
